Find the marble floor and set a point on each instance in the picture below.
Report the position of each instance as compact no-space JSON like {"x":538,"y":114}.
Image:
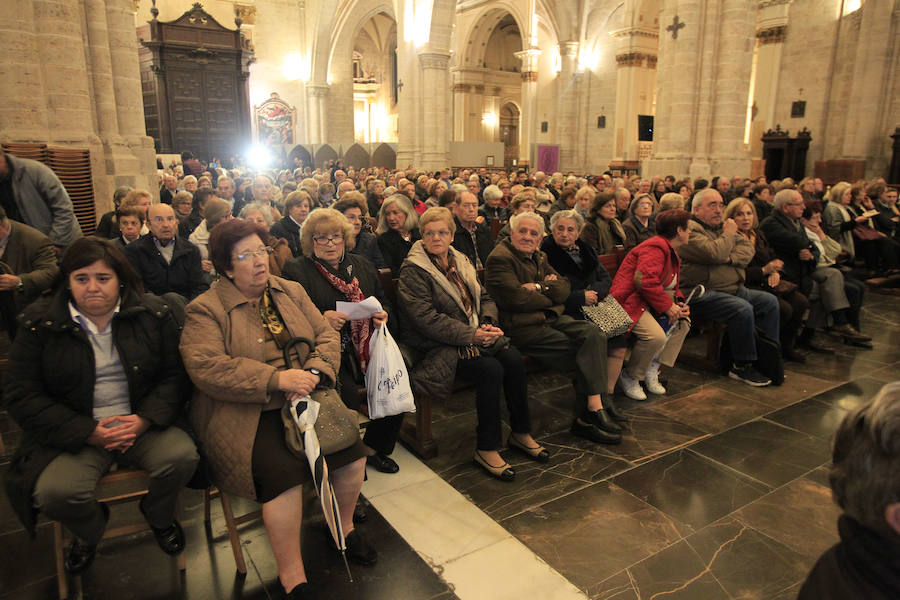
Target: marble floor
{"x":719,"y":490}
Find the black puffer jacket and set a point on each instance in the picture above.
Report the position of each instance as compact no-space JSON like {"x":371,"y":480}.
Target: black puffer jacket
{"x":589,"y":276}
{"x":184,"y":275}
{"x":433,"y":321}
{"x":288,"y":229}
{"x":51,"y":394}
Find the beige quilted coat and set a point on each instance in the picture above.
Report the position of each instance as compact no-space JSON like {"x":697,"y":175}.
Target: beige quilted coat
{"x":223,"y":350}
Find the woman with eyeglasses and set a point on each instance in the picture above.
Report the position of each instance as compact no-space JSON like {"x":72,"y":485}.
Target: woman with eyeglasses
{"x":330,"y":273}
{"x":232,"y":348}
{"x":451,"y":320}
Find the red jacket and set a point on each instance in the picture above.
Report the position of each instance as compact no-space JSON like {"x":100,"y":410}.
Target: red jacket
{"x":640,"y":279}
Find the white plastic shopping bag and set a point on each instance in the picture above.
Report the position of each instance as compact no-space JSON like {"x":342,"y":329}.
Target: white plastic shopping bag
{"x":387,"y":382}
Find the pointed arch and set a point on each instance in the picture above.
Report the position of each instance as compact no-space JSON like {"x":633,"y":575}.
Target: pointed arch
{"x":324,"y":154}
{"x":356,"y":156}
{"x":384,"y":156}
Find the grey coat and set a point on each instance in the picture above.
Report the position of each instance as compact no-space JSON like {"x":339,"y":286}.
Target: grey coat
{"x":43,"y":201}
{"x":433,"y":320}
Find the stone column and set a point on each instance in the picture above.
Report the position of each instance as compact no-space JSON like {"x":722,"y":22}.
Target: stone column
{"x":460,"y":112}
{"x":867,"y":138}
{"x":23,"y":111}
{"x":705,"y":58}
{"x":771,"y":30}
{"x":104,"y":95}
{"x":123,"y":52}
{"x":529,"y":60}
{"x":60,"y":45}
{"x":316,"y":93}
{"x":435,"y":96}
{"x":566,"y":102}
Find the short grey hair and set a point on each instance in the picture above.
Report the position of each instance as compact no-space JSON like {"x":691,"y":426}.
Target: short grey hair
{"x":491,"y":192}
{"x":265,"y":210}
{"x":567,"y":214}
{"x":783,"y":197}
{"x":700,"y":198}
{"x":189,"y":178}
{"x":514,"y":220}
{"x":458,"y":188}
{"x":865,"y":470}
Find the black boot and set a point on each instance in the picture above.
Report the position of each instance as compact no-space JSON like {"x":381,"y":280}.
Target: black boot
{"x":602,"y":420}
{"x":612,"y":410}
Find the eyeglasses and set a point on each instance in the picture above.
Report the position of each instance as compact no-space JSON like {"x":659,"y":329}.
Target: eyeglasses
{"x":163,"y":219}
{"x":328,"y":239}
{"x":443,"y":233}
{"x":251,"y":254}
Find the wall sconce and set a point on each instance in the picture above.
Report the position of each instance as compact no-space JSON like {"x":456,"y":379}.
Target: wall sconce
{"x":489,"y":119}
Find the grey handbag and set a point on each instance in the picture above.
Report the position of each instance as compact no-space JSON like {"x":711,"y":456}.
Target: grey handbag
{"x":609,"y":316}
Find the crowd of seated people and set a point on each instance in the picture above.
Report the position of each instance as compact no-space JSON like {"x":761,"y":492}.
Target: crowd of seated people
{"x":780,"y":261}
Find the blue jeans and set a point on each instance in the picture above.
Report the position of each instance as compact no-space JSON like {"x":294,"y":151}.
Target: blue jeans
{"x":740,"y":312}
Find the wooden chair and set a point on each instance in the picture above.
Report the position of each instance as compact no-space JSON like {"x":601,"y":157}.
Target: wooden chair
{"x":231,"y":524}
{"x":118,"y":476}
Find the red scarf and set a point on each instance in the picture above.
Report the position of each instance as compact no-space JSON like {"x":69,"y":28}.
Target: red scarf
{"x":360,"y":329}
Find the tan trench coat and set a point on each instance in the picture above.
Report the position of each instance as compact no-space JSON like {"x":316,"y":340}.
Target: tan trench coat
{"x":223,"y":350}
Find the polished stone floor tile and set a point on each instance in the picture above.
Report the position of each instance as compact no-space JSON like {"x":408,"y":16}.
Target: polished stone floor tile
{"x":711,"y":409}
{"x":820,"y":475}
{"x":888,"y":373}
{"x":747,"y":563}
{"x":646,"y":435}
{"x":584,"y":465}
{"x":501,"y":499}
{"x":810,"y":416}
{"x":674,"y":573}
{"x":796,"y":387}
{"x":851,"y":395}
{"x":836,"y":367}
{"x":776,"y":515}
{"x":690,"y":488}
{"x":32,"y":560}
{"x":766,"y":451}
{"x":594,"y":533}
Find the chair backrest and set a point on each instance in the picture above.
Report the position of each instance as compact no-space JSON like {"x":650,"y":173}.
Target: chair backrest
{"x":610,"y":262}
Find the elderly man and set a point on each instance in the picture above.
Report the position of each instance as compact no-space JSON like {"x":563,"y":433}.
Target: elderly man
{"x":28,"y":263}
{"x":164,"y":262}
{"x":865,"y":484}
{"x":169,"y":189}
{"x":787,"y":237}
{"x":623,"y":201}
{"x":473,"y":185}
{"x":189,"y":184}
{"x":530,"y":295}
{"x":472,"y":238}
{"x":344,"y":187}
{"x":32,"y":194}
{"x":716,"y":256}
{"x":225,"y":190}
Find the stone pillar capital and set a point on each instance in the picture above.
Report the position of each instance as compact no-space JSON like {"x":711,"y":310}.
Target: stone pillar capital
{"x":636,"y":59}
{"x":529,"y":60}
{"x":568,"y":49}
{"x":434,"y":60}
{"x":317,"y":90}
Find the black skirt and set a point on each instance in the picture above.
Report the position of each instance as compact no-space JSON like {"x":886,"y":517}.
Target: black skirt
{"x":276,"y":469}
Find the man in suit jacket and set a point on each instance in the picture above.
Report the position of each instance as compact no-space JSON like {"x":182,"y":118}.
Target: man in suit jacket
{"x":28,"y":266}
{"x":472,"y":238}
{"x":164,"y":262}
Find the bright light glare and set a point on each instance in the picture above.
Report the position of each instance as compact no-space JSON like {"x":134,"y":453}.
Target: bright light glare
{"x":259,"y":157}
{"x":489,"y":119}
{"x":851,"y":6}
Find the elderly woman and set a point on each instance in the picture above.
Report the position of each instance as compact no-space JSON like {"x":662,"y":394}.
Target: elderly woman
{"x":296,"y":207}
{"x":451,"y":320}
{"x":764,"y":273}
{"x":435,"y":190}
{"x":396,"y":230}
{"x":366,"y":244}
{"x":232,"y":347}
{"x":182,"y":205}
{"x":646,"y":285}
{"x":837,"y":221}
{"x":493,"y":209}
{"x":640,"y":225}
{"x":864,"y":484}
{"x":589,"y":283}
{"x":844,"y":300}
{"x":521,"y":202}
{"x":584,"y":200}
{"x":877,"y":250}
{"x":216,"y":211}
{"x":603,"y":232}
{"x":566,"y":201}
{"x":330,"y":273}
{"x":531,"y":297}
{"x":117,"y":387}
{"x":280,"y":252}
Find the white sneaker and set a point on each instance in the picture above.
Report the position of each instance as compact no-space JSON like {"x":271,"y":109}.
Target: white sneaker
{"x":631,"y":386}
{"x":651,"y":380}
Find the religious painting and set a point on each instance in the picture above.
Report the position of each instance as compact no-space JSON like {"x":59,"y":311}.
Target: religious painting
{"x":547,"y":158}
{"x":275,"y":121}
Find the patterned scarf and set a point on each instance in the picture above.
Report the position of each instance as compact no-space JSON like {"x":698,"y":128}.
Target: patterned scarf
{"x":360,"y":329}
